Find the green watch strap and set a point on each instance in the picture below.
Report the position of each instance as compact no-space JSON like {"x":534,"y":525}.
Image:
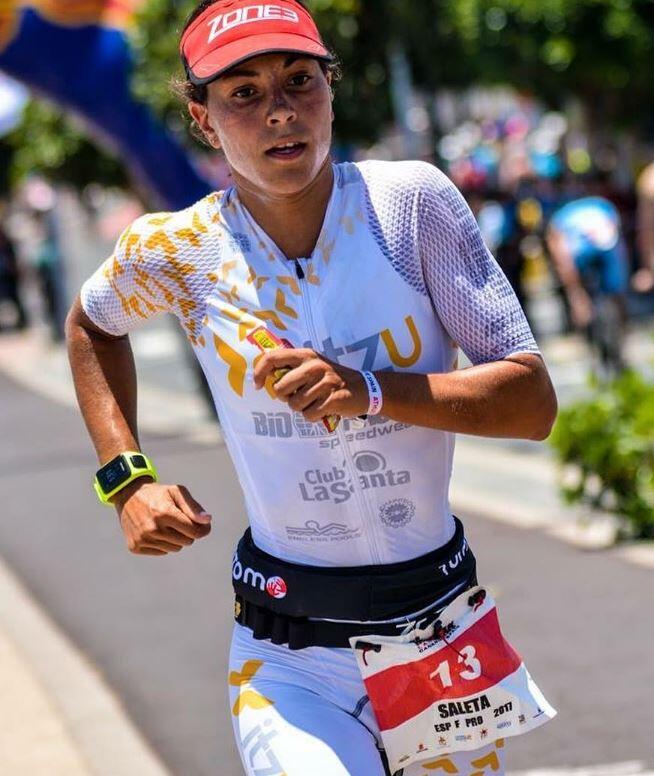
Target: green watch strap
{"x":128,"y":466}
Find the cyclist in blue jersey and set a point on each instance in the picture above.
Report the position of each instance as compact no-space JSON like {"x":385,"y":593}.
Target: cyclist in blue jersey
{"x":364,"y":279}
{"x":588,"y":251}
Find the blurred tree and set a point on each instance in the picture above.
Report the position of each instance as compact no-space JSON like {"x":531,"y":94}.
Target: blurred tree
{"x":55,"y":146}
{"x":6,"y":157}
{"x":598,"y":50}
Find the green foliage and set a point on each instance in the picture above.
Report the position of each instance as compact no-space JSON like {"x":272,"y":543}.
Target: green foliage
{"x":6,"y":158}
{"x":154,"y":38}
{"x":609,"y":440}
{"x":53,"y":145}
{"x":598,"y":50}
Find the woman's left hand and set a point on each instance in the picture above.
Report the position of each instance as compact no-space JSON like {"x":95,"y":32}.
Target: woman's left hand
{"x":314,"y":385}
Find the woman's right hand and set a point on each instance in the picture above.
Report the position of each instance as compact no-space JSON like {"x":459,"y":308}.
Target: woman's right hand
{"x":157,"y":519}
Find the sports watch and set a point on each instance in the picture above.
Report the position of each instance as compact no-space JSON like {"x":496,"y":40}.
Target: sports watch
{"x":120,"y":471}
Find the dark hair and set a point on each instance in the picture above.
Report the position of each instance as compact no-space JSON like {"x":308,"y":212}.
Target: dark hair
{"x":187,"y":91}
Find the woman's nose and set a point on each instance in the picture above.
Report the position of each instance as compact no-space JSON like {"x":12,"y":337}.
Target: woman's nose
{"x":281,"y":111}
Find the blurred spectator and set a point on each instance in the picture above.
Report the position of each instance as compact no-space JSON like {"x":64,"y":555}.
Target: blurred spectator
{"x":10,"y":278}
{"x":49,"y":269}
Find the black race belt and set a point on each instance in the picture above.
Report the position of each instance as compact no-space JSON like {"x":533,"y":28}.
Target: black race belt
{"x":289,"y":602}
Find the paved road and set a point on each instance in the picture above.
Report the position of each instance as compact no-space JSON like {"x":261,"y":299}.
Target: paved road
{"x":158,"y":628}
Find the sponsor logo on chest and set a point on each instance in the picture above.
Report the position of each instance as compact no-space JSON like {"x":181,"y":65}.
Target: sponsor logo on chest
{"x":313,"y":531}
{"x":285,"y":425}
{"x":335,"y":484}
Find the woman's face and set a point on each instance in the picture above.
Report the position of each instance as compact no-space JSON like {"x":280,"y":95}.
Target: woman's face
{"x":271,"y":116}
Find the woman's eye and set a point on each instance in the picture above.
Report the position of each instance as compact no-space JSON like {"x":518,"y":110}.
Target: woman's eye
{"x":244,"y":92}
{"x":300,"y":80}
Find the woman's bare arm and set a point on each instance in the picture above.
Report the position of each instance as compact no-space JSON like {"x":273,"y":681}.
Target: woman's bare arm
{"x":105,"y":383}
{"x":513,"y":397}
{"x":155,"y":518}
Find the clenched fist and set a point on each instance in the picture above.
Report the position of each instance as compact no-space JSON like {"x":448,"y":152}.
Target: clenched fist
{"x":157,"y":519}
{"x":313,"y":385}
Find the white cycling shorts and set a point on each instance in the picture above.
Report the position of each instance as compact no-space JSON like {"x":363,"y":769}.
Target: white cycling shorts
{"x":306,"y":713}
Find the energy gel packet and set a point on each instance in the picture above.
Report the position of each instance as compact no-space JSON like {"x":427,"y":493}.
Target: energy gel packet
{"x":266,"y":340}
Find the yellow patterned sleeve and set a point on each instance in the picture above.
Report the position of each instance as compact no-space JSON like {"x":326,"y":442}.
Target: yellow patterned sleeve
{"x":156,"y":267}
{"x":127,"y":288}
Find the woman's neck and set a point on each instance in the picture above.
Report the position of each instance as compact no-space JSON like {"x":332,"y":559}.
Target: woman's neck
{"x":292,"y":221}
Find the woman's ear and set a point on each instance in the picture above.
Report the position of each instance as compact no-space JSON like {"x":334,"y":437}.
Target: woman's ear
{"x":200,"y":116}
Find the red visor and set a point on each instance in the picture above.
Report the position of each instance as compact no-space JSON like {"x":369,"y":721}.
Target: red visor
{"x":233,"y":30}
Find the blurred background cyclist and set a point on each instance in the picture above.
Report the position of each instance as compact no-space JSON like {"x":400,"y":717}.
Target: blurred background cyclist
{"x":589,"y":254}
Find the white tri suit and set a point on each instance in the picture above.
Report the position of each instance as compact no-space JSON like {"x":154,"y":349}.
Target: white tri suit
{"x":399,"y":279}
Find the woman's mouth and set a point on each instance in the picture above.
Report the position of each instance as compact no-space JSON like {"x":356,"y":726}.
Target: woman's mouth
{"x":286,"y":151}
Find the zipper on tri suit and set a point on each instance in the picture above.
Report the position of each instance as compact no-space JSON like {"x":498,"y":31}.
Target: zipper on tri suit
{"x":366,"y":514}
{"x":298,"y":269}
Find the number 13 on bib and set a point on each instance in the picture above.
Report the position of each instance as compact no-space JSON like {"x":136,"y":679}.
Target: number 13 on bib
{"x":459,"y":689}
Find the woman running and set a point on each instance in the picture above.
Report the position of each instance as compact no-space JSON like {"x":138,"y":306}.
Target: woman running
{"x":326,"y":304}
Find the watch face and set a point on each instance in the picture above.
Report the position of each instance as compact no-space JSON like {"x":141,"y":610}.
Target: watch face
{"x":113,"y":474}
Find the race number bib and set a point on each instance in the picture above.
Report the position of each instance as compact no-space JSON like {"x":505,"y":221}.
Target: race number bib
{"x":456,"y":686}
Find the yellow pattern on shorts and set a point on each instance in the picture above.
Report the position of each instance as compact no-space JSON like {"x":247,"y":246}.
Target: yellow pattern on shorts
{"x":247,"y":697}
